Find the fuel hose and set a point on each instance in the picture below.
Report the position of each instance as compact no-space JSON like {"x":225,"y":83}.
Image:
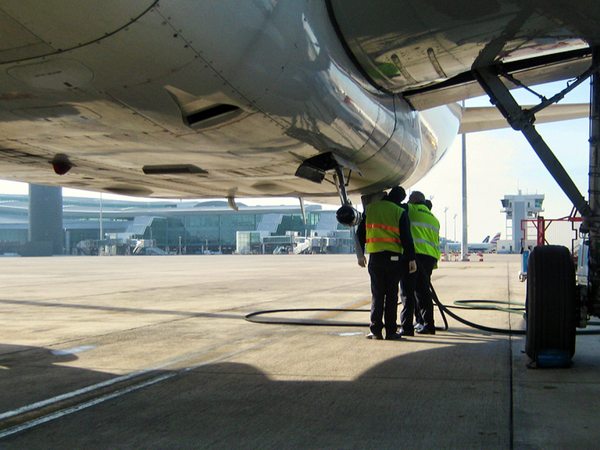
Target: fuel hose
{"x":259,"y":316}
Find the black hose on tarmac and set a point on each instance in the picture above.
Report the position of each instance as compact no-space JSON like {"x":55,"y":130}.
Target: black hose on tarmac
{"x":443,"y":309}
{"x":463,"y":304}
{"x":252,"y":317}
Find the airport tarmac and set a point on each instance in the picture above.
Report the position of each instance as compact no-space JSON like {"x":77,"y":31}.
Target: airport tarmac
{"x":154,"y":352}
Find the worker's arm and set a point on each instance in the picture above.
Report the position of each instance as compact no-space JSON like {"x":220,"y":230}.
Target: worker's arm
{"x":361,"y":239}
{"x":407,"y":242}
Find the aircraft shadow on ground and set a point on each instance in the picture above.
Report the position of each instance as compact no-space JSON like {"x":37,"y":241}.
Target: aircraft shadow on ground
{"x":457,"y":396}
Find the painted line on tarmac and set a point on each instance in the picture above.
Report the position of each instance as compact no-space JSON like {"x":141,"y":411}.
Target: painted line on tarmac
{"x":70,"y":395}
{"x":348,"y":308}
{"x":81,"y":406}
{"x":331,"y":314}
{"x":73,"y":350}
{"x":93,"y":387}
{"x":119,"y":392}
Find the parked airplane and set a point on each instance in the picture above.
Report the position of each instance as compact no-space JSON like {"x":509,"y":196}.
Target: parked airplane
{"x":486,"y":246}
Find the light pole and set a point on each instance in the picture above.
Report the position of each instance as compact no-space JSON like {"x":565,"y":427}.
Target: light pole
{"x":446,"y":222}
{"x":465,"y":238}
{"x":101,"y":230}
{"x":455,"y":227}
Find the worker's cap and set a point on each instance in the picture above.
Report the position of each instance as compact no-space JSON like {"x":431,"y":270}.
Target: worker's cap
{"x":397,"y":194}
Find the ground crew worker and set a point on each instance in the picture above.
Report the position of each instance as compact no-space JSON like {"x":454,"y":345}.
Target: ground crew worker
{"x":385,"y":230}
{"x":416,"y":292}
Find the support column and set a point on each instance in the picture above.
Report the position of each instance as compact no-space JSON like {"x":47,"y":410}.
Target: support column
{"x":594,"y":171}
{"x":45,"y":221}
{"x":591,"y":223}
{"x":465,"y":235}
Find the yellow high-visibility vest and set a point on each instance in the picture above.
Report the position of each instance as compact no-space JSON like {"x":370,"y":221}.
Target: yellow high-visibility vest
{"x":382,"y":227}
{"x":425,"y":230}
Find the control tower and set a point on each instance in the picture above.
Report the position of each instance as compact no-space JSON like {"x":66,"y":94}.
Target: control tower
{"x":517,"y":208}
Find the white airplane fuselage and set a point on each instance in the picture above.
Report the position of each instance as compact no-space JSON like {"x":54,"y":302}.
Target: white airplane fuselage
{"x":180,"y":98}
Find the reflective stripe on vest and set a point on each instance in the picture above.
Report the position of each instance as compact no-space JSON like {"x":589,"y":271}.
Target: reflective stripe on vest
{"x":382,"y":227}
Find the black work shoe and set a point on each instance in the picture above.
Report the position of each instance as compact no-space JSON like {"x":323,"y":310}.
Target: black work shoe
{"x":425,"y":331}
{"x":374,"y":336}
{"x":393,"y":337}
{"x":406,"y":333}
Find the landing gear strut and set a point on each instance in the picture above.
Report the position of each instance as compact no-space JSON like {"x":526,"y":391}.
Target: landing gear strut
{"x":315,"y":168}
{"x":554,"y":304}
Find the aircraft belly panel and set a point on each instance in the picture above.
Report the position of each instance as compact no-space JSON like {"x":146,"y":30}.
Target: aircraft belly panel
{"x":33,"y":35}
{"x":248,"y":44}
{"x":119,"y":172}
{"x":123,"y":111}
{"x":113,"y":162}
{"x":295,"y":57}
{"x":16,"y":42}
{"x":144,"y":52}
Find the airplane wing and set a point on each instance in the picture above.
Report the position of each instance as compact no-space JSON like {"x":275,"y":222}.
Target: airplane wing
{"x":426,"y":49}
{"x":187,"y":99}
{"x":489,"y":118}
{"x":530,"y":72}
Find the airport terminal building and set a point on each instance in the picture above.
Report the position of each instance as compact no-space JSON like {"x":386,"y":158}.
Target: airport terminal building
{"x":95,"y":226}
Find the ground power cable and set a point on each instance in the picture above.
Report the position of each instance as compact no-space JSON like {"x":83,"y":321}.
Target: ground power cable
{"x":253,"y":317}
{"x":461,"y":304}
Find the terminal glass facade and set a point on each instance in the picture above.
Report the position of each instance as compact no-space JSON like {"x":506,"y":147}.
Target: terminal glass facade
{"x":193,"y":227}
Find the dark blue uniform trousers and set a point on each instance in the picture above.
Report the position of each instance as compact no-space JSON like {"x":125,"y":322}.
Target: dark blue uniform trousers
{"x":416,"y":292}
{"x":385,"y":269}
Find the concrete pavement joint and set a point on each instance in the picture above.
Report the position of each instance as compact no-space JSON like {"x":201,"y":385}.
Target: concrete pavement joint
{"x":54,"y":408}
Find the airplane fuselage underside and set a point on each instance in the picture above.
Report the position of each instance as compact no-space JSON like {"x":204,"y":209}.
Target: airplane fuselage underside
{"x":193,"y":99}
{"x":181,"y":98}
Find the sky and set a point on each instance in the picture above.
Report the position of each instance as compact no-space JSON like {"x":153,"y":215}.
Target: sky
{"x":499,"y":163}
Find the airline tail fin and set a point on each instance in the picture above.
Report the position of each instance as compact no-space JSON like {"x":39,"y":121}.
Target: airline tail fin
{"x":486,"y":240}
{"x":496,"y":238}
